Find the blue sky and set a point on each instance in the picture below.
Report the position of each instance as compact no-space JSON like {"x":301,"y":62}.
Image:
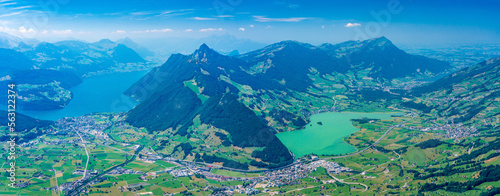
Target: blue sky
{"x":411,"y":21}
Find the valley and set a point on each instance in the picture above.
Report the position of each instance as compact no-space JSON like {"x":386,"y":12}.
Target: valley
{"x":290,"y":118}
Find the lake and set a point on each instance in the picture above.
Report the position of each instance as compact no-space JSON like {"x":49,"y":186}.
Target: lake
{"x":103,"y":93}
{"x":326,"y":138}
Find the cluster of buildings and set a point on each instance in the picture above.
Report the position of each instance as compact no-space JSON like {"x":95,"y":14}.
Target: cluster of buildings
{"x":86,"y":124}
{"x":290,"y":175}
{"x":181,"y":172}
{"x":121,"y":170}
{"x":331,"y":167}
{"x":452,"y":130}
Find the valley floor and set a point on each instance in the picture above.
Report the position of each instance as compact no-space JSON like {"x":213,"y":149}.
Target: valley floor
{"x":387,"y":162}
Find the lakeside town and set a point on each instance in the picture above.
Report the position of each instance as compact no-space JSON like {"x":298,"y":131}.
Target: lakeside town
{"x":90,"y":130}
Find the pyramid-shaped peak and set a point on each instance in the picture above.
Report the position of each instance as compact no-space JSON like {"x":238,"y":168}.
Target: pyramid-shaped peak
{"x":204,"y":53}
{"x":204,"y":47}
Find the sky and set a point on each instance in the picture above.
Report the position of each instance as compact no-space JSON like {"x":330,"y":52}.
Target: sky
{"x":266,"y":21}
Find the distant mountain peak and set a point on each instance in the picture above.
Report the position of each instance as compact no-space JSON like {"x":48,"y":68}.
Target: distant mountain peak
{"x":105,"y":43}
{"x":289,"y":43}
{"x":128,"y":39}
{"x":383,"y":58}
{"x":286,"y":44}
{"x":381,"y":38}
{"x":379,"y":42}
{"x":142,"y":51}
{"x":203,"y":54}
{"x":204,"y":47}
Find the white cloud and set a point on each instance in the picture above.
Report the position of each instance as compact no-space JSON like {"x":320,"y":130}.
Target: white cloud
{"x":188,"y":30}
{"x":202,"y":18}
{"x":21,"y":8}
{"x":62,"y":32}
{"x":23,"y":29}
{"x":349,"y":25}
{"x":7,"y":3}
{"x":211,"y":29}
{"x":12,"y":14}
{"x":154,"y":31}
{"x":241,"y":29}
{"x":161,"y":30}
{"x":252,"y":26}
{"x":292,"y":19}
{"x":225,"y":16}
{"x":143,"y":13}
{"x":323,"y":26}
{"x":120,"y":32}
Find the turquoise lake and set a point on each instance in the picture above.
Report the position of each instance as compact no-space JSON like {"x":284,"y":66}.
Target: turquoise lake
{"x":326,"y":138}
{"x":103,"y":93}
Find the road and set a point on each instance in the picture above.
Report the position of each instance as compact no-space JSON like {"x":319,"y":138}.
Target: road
{"x":296,"y":161}
{"x":342,"y":181}
{"x":77,"y":190}
{"x":358,"y":152}
{"x":88,"y":157}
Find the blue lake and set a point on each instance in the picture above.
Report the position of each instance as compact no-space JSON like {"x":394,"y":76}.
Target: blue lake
{"x":102,"y":93}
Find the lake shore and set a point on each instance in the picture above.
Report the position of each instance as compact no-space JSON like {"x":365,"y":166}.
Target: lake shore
{"x":328,"y":137}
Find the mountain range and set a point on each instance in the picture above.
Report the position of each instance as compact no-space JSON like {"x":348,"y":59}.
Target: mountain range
{"x":248,"y":98}
{"x":239,"y":102}
{"x":382,"y":59}
{"x":82,"y":58}
{"x":44,"y":72}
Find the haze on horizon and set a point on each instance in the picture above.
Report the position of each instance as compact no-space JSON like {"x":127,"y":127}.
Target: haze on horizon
{"x":402,"y":21}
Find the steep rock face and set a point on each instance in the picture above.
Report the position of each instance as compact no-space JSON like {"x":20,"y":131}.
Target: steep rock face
{"x":382,"y":58}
